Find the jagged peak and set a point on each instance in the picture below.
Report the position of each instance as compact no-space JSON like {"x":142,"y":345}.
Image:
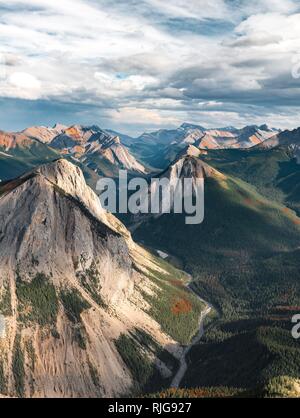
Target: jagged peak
{"x":295,"y":131}
{"x":187,"y":125}
{"x":192,"y":166}
{"x":229,"y":128}
{"x":95,"y":128}
{"x":69,"y":179}
{"x":192,"y":151}
{"x":60,"y":169}
{"x":264,"y":127}
{"x":59,"y":127}
{"x":117,"y":140}
{"x":250,"y":128}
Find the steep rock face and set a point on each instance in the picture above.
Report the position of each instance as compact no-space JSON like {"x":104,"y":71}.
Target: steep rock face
{"x":287,"y":139}
{"x":92,"y":144}
{"x":43,"y":133}
{"x":192,"y":151}
{"x":68,"y":288}
{"x":111,"y":149}
{"x":72,"y":136}
{"x":158,"y":149}
{"x":192,"y":136}
{"x":189,"y":165}
{"x":9,"y":141}
{"x":210,"y":138}
{"x":55,"y":206}
{"x":246,"y":137}
{"x":169,"y":195}
{"x":207,"y":141}
{"x":185,"y":134}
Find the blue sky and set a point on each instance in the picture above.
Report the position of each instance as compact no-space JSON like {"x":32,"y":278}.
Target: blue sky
{"x":135,"y":65}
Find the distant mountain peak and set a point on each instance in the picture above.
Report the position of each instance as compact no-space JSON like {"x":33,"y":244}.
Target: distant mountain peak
{"x":191,"y":151}
{"x":187,"y":125}
{"x":264,"y":127}
{"x":91,"y":145}
{"x":59,"y":127}
{"x":189,"y":165}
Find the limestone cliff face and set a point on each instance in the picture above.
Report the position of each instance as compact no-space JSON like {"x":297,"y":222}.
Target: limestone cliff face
{"x":55,"y":219}
{"x":58,"y":245}
{"x":189,"y":165}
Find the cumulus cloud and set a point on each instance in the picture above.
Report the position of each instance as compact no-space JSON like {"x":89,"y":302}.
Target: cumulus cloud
{"x":151,"y":62}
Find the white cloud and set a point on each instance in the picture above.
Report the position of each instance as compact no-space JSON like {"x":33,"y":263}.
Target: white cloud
{"x":279,"y":6}
{"x":103,"y":53}
{"x":198,"y":9}
{"x":141,"y":116}
{"x":21,"y":85}
{"x":115,"y":85}
{"x":24,"y":81}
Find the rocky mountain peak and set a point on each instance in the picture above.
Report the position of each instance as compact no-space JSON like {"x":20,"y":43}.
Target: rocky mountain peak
{"x":51,"y":215}
{"x":69,"y":179}
{"x":59,"y":126}
{"x":189,"y":165}
{"x":71,"y":275}
{"x":187,"y":126}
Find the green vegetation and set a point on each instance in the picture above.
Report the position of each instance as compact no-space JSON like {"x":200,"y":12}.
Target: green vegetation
{"x":31,"y":361}
{"x":37,"y":300}
{"x":104,"y":167}
{"x":136,"y":360}
{"x":243,"y":254}
{"x":24,"y":158}
{"x":198,"y":392}
{"x":31,"y":353}
{"x":73,"y":305}
{"x":145,"y":340}
{"x":220,"y":357}
{"x":279,"y":387}
{"x":135,"y":350}
{"x":244,"y":259}
{"x":79,"y":335}
{"x":18,"y":367}
{"x":3,"y":382}
{"x":90,"y":280}
{"x":174,"y":306}
{"x":5,"y":302}
{"x":55,"y":333}
{"x":171,"y":303}
{"x":274,"y":172}
{"x":282,"y":387}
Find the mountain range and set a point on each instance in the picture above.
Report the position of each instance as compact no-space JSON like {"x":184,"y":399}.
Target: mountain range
{"x":244,"y":259}
{"x":98,"y":149}
{"x":95,"y":307}
{"x":79,"y":297}
{"x":159,"y":148}
{"x":104,"y":152}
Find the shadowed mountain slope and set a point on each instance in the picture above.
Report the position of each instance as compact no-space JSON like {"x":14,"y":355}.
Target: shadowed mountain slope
{"x":244,"y":259}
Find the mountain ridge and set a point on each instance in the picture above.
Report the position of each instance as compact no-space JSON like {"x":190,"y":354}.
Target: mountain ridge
{"x":76,"y":292}
{"x":90,"y":144}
